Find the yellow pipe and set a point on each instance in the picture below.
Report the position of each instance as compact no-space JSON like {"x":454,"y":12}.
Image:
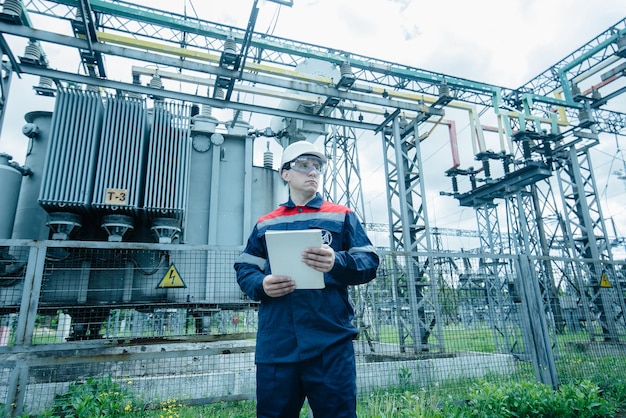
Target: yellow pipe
{"x":256,"y":67}
{"x":205,"y":56}
{"x":562,"y":120}
{"x":476,"y":128}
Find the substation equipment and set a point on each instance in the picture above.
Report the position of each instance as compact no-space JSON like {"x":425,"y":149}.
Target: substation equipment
{"x":122,"y":176}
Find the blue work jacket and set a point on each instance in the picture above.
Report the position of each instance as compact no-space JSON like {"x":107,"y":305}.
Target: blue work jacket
{"x":300,"y":325}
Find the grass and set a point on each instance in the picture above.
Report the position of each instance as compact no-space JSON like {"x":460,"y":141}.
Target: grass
{"x":457,"y":338}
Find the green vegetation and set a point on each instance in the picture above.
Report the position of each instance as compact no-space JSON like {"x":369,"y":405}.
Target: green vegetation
{"x":591,"y":385}
{"x":526,"y":399}
{"x":96,"y":397}
{"x":583,"y":399}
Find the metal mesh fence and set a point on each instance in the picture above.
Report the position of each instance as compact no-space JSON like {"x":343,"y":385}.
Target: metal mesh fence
{"x":169,"y":322}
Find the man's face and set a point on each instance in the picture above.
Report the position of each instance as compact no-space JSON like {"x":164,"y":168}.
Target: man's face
{"x":304,"y":174}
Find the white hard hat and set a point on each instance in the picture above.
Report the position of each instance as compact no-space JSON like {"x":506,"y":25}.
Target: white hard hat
{"x":299,"y":148}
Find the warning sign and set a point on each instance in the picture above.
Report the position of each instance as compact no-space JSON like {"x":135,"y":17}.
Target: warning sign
{"x":171,"y":279}
{"x":604,"y":281}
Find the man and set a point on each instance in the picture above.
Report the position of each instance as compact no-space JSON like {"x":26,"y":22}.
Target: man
{"x":304,"y":340}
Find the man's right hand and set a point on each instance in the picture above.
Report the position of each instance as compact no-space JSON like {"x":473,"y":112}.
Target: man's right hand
{"x":277,"y":286}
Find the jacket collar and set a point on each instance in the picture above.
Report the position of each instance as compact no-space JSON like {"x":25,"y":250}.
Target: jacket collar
{"x":314,"y":203}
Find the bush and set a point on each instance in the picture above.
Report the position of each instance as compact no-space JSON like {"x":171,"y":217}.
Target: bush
{"x":583,"y":400}
{"x":96,"y":397}
{"x":527,"y":399}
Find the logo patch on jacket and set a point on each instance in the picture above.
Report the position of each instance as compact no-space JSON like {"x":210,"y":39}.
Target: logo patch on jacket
{"x":327,"y":237}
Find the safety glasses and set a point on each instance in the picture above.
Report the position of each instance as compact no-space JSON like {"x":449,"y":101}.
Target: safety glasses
{"x":307,"y":163}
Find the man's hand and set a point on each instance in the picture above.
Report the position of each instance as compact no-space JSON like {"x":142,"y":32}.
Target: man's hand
{"x":277,"y":286}
{"x":319,"y":258}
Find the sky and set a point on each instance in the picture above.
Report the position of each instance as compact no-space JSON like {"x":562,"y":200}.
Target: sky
{"x":504,"y":43}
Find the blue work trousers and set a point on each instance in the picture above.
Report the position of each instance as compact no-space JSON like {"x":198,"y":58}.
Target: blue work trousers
{"x":328,"y":381}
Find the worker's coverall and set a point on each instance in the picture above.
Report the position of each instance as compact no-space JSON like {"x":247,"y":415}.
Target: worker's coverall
{"x":304,"y":339}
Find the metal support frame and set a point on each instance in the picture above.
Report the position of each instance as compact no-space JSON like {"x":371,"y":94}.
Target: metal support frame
{"x":342,"y":179}
{"x":414,"y":287}
{"x":84,"y":27}
{"x":6,"y":74}
{"x":589,"y":241}
{"x":342,"y":185}
{"x":496,"y":275}
{"x":554,"y":247}
{"x":371,"y":75}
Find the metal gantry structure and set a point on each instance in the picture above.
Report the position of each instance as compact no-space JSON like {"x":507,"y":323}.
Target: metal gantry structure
{"x":546,"y":128}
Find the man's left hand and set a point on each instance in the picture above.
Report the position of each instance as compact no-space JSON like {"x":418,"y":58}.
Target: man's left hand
{"x":319,"y":258}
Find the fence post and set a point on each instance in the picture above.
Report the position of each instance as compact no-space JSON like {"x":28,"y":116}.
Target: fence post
{"x":18,"y":379}
{"x":535,"y":324}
